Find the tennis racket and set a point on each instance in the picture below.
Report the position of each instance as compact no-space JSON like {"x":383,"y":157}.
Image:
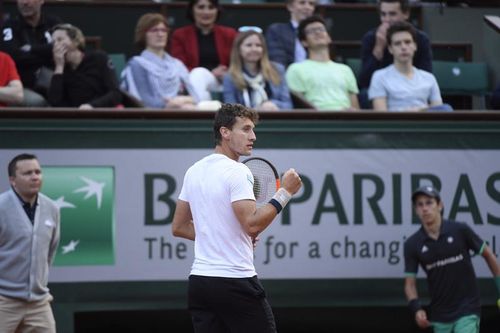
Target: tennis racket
{"x":266,"y":179}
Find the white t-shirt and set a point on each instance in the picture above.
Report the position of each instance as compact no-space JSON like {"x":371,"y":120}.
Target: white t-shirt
{"x":402,"y":92}
{"x":221,"y":248}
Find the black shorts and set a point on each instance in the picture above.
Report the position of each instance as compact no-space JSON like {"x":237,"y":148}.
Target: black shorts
{"x":219,"y":305}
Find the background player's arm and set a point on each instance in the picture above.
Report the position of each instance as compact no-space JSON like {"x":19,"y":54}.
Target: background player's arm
{"x":411,"y":288}
{"x":182,"y":225}
{"x":412,"y":295}
{"x":491,"y":260}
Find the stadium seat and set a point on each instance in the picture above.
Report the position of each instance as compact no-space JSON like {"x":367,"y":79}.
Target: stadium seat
{"x":300,"y":102}
{"x":93,"y":42}
{"x":119,"y":61}
{"x":462,"y":78}
{"x":355,"y":64}
{"x":129,"y":101}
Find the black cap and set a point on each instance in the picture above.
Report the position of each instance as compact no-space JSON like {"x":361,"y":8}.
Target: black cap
{"x":428,"y":191}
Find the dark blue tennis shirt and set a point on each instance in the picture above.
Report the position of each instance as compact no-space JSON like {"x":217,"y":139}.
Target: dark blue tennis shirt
{"x":450,"y":275}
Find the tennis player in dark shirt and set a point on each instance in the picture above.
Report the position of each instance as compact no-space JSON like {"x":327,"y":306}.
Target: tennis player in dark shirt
{"x":442,"y":248}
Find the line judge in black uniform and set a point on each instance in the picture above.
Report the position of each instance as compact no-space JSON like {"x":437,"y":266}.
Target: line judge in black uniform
{"x":82,"y":78}
{"x":441,"y":248}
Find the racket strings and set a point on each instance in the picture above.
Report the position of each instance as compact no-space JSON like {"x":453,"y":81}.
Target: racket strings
{"x":264,"y":181}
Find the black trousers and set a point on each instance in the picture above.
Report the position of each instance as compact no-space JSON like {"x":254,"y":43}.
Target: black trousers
{"x":233,"y":305}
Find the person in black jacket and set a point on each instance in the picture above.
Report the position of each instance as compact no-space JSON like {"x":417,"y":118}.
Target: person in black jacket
{"x":495,"y":98}
{"x":27,"y":39}
{"x":83,"y":79}
{"x":281,"y":38}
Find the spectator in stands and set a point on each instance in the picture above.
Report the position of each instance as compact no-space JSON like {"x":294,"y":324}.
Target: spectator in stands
{"x":155,"y":77}
{"x":84,"y":79}
{"x":324,"y":83}
{"x":27,"y":39}
{"x":204,"y":47}
{"x":374,"y":52}
{"x":11,"y":88}
{"x":252,"y":79}
{"x":401,"y":86}
{"x":284,"y":44}
{"x":495,"y":98}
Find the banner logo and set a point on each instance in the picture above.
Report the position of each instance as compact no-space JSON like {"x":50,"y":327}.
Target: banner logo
{"x":85,"y":197}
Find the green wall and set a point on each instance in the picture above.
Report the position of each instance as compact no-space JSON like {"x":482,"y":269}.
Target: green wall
{"x":320,"y":300}
{"x":467,"y":25}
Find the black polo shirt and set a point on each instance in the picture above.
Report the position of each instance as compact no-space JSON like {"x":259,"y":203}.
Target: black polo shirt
{"x":30,"y":210}
{"x":450,"y":275}
{"x":207,"y":50}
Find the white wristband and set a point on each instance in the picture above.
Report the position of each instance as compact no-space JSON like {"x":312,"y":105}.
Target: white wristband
{"x":282,"y":196}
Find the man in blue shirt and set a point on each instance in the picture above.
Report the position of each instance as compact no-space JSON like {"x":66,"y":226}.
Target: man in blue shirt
{"x":281,"y":38}
{"x":374,"y":52}
{"x":401,"y":86}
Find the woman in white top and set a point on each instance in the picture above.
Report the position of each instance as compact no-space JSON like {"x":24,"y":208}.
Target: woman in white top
{"x":155,"y":77}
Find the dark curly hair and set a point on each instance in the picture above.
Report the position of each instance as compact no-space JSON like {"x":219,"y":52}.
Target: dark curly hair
{"x":226,"y":117}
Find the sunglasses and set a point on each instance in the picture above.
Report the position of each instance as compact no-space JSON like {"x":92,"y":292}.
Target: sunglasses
{"x":250,"y":28}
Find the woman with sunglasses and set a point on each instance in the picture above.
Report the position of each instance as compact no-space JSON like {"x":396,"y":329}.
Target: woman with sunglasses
{"x":253,"y":80}
{"x":155,"y":77}
{"x":204,"y":46}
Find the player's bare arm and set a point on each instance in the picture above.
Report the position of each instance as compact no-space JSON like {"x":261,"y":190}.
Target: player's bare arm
{"x":182,"y":225}
{"x":412,"y":296}
{"x":491,"y":261}
{"x":254,"y":220}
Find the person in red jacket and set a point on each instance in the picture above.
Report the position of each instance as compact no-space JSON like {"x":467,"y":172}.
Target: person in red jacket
{"x":204,"y":46}
{"x":11,"y":88}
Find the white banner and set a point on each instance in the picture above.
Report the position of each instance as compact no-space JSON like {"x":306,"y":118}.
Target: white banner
{"x":351,"y":220}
